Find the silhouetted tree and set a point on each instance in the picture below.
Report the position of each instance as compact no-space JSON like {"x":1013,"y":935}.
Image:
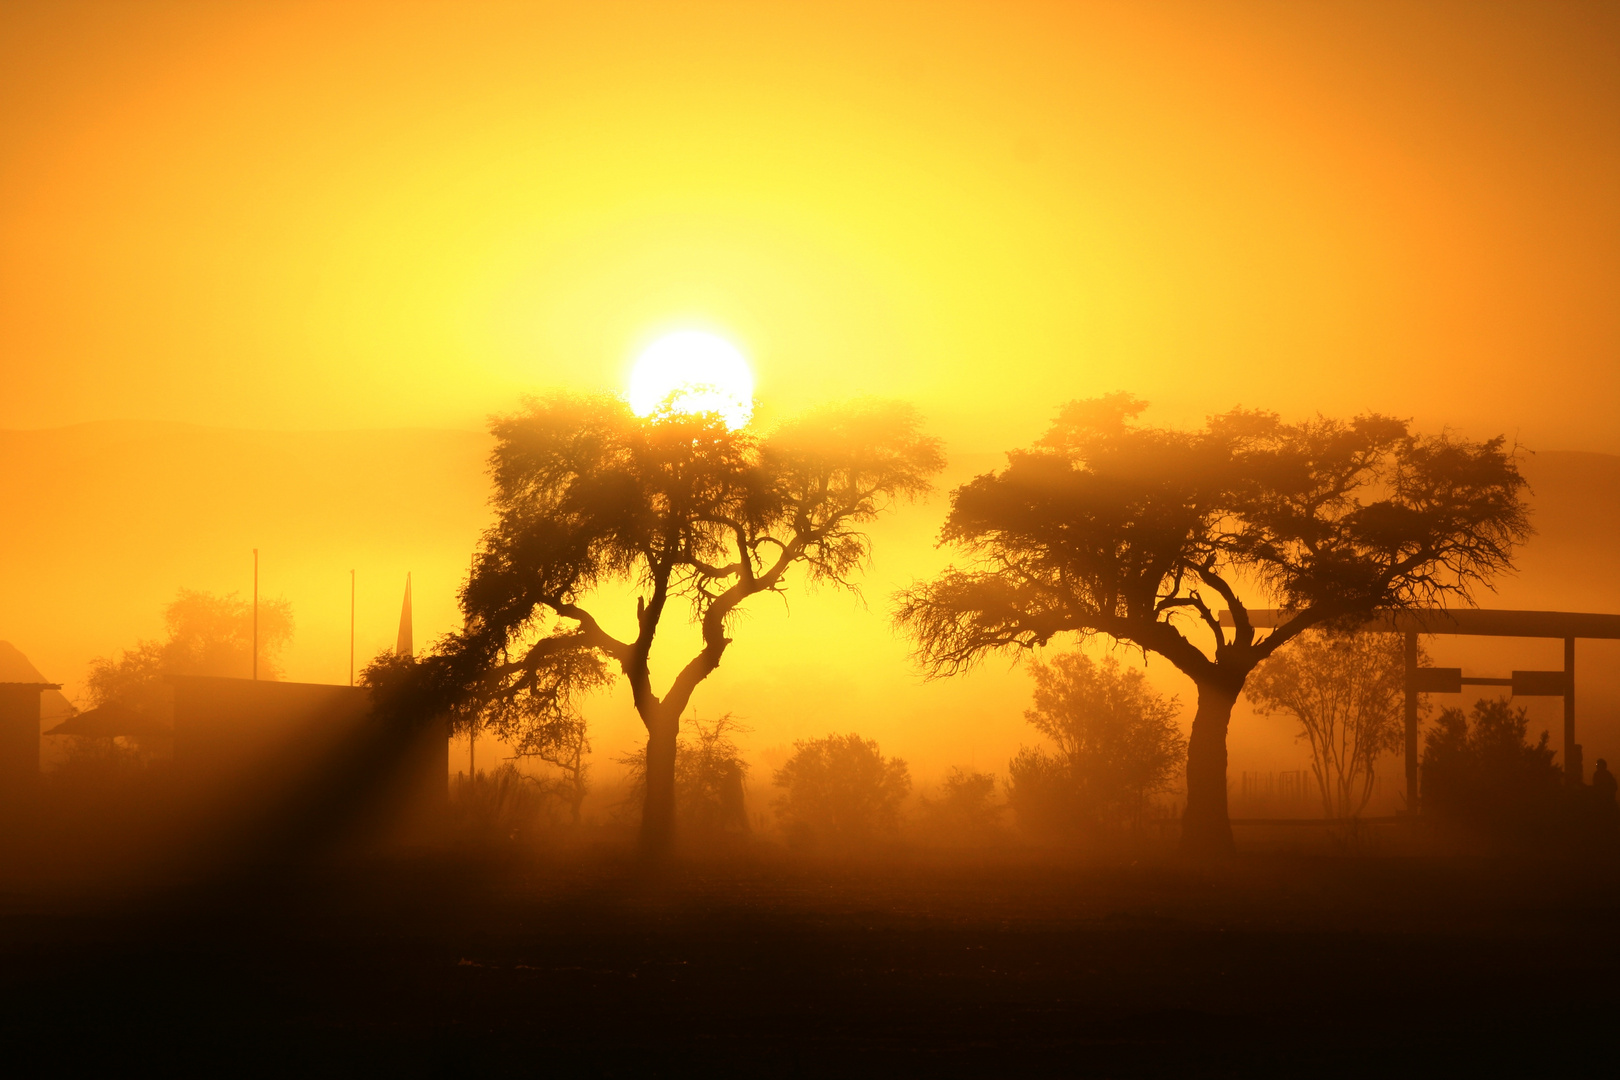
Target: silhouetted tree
{"x":1117,"y":741}
{"x":1107,"y":527}
{"x":1485,"y":776}
{"x":840,"y":789}
{"x":558,"y":738}
{"x":207,"y":635}
{"x":1347,"y":690}
{"x":681,"y":510}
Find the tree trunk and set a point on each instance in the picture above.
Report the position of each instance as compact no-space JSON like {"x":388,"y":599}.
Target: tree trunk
{"x":658,"y":811}
{"x":1206,"y":828}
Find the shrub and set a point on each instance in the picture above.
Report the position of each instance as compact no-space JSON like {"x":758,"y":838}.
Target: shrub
{"x":1043,"y":795}
{"x":965,"y":810}
{"x":499,"y":807}
{"x":840,"y":790}
{"x":1117,"y":746}
{"x":709,"y":775}
{"x":1485,"y":776}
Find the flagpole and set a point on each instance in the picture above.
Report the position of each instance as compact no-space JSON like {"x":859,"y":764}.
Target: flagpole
{"x":351,"y":627}
{"x":255,"y":614}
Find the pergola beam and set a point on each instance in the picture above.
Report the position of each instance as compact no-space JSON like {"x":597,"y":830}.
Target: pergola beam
{"x":1475,"y":622}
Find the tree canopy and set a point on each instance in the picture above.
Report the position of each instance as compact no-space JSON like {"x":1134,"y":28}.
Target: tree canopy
{"x":207,"y":634}
{"x":1144,"y":534}
{"x":683,"y":512}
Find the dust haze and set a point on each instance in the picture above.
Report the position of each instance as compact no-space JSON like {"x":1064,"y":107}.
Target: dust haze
{"x":1159,"y":610}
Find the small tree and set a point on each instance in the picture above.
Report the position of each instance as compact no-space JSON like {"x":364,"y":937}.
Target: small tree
{"x":683,"y":511}
{"x":1347,"y":690}
{"x":1107,"y":527}
{"x":841,"y":789}
{"x":1117,"y":739}
{"x":560,"y":741}
{"x":1487,"y":777}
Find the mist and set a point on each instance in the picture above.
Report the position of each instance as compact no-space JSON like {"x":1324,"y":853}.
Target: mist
{"x":1045,"y":656}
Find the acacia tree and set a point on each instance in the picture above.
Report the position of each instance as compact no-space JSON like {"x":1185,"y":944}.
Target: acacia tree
{"x":1347,"y":690}
{"x":1144,"y":534}
{"x":681,"y":512}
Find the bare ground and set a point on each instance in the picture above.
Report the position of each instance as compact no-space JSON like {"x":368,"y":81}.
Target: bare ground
{"x":758,"y":963}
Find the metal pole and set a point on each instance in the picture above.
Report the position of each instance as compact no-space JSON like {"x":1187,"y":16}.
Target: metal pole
{"x":351,"y":627}
{"x":255,"y":614}
{"x":1411,"y":722}
{"x":1572,"y":753}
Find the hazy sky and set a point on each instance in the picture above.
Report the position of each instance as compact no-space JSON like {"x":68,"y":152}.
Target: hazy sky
{"x":351,"y":215}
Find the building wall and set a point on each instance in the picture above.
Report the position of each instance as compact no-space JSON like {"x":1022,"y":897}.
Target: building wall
{"x":307,"y":759}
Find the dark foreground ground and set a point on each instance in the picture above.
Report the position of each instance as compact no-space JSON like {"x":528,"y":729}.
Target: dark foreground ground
{"x":574,"y":965}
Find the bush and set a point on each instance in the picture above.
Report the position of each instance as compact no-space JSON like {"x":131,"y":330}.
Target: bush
{"x":965,"y":811}
{"x":502,"y":806}
{"x":1043,"y":795}
{"x":1117,"y":746}
{"x":840,"y":791}
{"x":709,"y":775}
{"x":1485,"y":776}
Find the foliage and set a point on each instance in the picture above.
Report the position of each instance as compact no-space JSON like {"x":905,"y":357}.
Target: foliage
{"x":680,"y":509}
{"x":1347,"y":690}
{"x":1485,"y":776}
{"x":1109,"y":527}
{"x":499,"y":807}
{"x":1043,"y":795}
{"x":840,"y":790}
{"x":1117,"y":740}
{"x":206,"y":635}
{"x":709,"y":775}
{"x":965,"y":811}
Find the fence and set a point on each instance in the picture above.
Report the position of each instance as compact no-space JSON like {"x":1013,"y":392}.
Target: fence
{"x":1289,"y":793}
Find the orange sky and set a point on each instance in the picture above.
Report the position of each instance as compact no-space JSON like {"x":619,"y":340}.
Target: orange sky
{"x":352,"y":215}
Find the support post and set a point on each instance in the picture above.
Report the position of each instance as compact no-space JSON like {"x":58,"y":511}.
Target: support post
{"x":1572,"y":753}
{"x":1411,"y":722}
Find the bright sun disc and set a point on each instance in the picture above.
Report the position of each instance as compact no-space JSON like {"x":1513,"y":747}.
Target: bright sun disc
{"x":693,"y":372}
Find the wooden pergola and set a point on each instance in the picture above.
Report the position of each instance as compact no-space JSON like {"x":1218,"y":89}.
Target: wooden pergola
{"x":1478,"y":622}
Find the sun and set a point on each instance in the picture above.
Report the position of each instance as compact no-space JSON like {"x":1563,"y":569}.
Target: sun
{"x":691,"y":371}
